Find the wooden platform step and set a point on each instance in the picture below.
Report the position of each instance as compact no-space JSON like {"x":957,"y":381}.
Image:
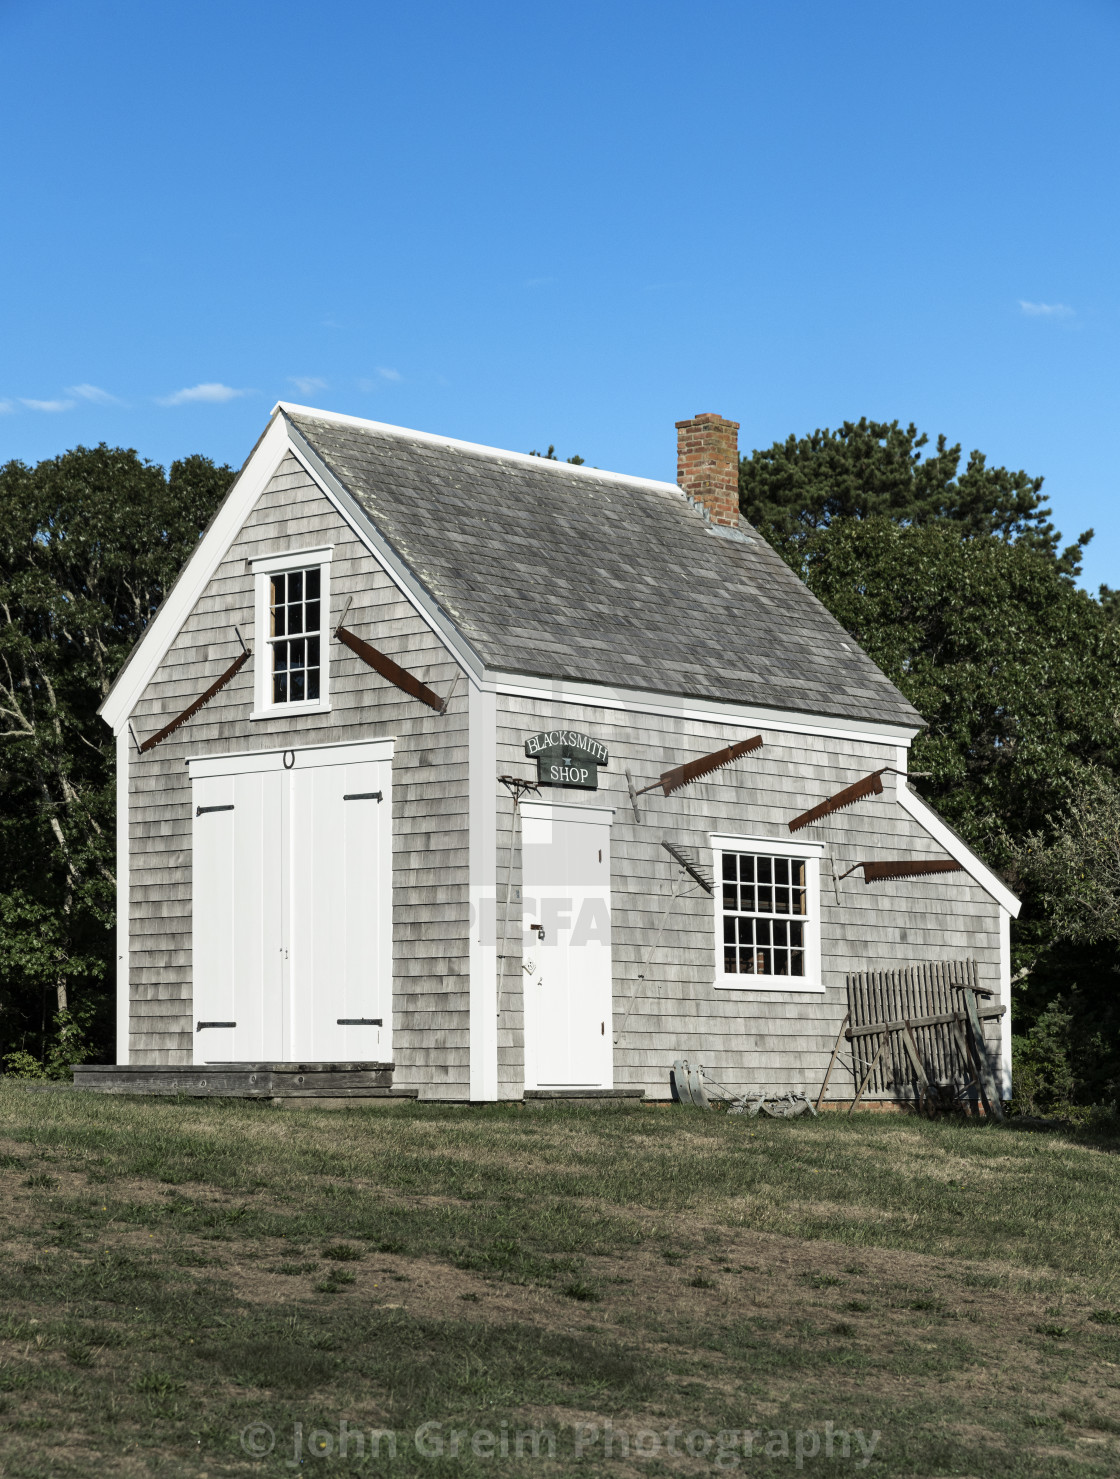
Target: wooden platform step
{"x":244,"y":1080}
{"x":592,"y":1098}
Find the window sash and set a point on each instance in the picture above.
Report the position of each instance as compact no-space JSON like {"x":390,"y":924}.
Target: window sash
{"x":764,"y":912}
{"x":295,"y":635}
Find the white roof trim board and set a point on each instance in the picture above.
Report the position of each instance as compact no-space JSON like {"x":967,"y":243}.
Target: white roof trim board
{"x":145,"y":658}
{"x":957,"y":848}
{"x":478,"y":449}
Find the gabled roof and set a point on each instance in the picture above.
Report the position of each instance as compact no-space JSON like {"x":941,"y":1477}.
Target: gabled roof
{"x":553,"y":571}
{"x":570,"y":573}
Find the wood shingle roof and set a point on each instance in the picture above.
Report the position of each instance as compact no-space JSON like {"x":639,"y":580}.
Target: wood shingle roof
{"x":566,"y":573}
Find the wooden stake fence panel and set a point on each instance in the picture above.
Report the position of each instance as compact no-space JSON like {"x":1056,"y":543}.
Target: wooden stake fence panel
{"x":908,"y":994}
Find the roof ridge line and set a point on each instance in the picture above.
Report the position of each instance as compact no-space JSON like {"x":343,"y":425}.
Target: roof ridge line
{"x":478,"y":449}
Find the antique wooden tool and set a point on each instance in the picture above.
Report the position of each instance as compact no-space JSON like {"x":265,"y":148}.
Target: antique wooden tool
{"x":203,"y":699}
{"x":870,"y":785}
{"x":694,"y":770}
{"x":905,"y":868}
{"x":392,"y":671}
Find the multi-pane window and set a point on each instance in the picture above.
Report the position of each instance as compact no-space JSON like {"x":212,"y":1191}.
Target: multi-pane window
{"x":295,"y":634}
{"x":765,"y":904}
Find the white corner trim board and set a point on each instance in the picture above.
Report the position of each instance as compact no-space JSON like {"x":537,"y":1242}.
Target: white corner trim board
{"x":482,"y":864}
{"x":124,"y":1012}
{"x":957,"y":848}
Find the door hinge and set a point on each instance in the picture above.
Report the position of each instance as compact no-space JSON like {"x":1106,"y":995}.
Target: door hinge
{"x":201,"y":1025}
{"x":363,"y":796}
{"x":358,"y":1022}
{"x":199,"y":810}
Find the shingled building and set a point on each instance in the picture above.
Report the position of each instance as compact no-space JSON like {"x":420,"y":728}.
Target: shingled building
{"x":331,"y":873}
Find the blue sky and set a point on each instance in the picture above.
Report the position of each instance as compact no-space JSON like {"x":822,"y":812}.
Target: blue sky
{"x":577,"y":223}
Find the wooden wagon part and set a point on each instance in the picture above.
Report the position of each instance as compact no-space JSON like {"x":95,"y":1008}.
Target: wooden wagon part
{"x":928,"y":1029}
{"x":203,"y":699}
{"x":694,"y":770}
{"x":905,"y":868}
{"x":390,"y":670}
{"x":686,"y":1084}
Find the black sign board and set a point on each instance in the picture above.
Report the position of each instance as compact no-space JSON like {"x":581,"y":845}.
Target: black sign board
{"x":567,"y":758}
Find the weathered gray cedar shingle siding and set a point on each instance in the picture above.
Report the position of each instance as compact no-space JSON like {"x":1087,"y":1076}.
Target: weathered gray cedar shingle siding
{"x":429,"y":786}
{"x":750,"y":1039}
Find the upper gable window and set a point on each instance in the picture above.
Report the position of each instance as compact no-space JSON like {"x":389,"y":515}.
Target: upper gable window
{"x":293,"y":615}
{"x":295,"y":634}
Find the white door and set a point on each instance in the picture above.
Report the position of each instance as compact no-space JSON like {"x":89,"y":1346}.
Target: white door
{"x":338,"y":887}
{"x":292,"y":906}
{"x":566,"y":893}
{"x":238,"y":963}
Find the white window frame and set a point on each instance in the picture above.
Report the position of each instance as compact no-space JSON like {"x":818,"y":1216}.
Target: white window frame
{"x":777,"y":847}
{"x":263,"y":569}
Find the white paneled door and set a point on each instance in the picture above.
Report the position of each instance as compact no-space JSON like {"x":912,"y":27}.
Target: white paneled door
{"x":292,"y":906}
{"x":566,"y":954}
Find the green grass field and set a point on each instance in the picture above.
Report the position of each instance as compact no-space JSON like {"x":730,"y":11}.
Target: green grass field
{"x":192,"y":1288}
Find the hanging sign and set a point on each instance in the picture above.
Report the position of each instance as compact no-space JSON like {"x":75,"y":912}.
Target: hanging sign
{"x":567,"y":758}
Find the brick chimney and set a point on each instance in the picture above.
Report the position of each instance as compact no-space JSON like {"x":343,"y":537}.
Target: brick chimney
{"x":708,"y":465}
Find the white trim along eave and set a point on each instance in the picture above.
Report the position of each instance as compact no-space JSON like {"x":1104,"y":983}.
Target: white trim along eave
{"x":144,"y":660}
{"x":635,"y":701}
{"x":957,"y":848}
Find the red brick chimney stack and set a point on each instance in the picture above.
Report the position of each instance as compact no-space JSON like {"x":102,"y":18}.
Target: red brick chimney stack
{"x":708,"y":465}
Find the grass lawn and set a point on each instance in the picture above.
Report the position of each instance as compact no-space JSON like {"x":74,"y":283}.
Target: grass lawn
{"x":185,"y":1283}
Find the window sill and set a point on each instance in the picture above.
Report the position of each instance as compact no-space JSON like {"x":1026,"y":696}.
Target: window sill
{"x":289,"y":711}
{"x":768,"y":983}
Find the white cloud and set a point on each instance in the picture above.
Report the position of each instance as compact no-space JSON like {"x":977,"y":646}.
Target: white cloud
{"x":1045,"y":310}
{"x":383,"y":373}
{"x":212,"y":393}
{"x":46,"y":405}
{"x":93,"y":393}
{"x":307,"y":384}
{"x":6,"y":408}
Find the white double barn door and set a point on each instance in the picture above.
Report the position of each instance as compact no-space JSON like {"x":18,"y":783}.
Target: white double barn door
{"x":566,"y":890}
{"x":292,"y":906}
